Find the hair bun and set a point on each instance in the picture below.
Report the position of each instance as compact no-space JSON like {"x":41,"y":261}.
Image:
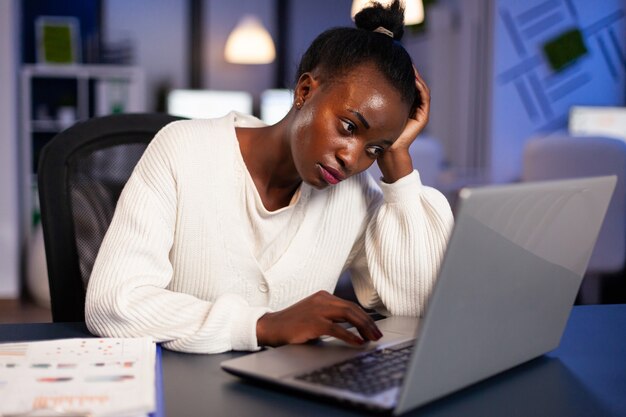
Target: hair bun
{"x":376,"y":15}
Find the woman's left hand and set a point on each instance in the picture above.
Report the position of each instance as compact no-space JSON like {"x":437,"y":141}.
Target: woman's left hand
{"x":396,"y":162}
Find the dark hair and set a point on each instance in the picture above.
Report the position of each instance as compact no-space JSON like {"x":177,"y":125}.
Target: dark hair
{"x":338,"y":50}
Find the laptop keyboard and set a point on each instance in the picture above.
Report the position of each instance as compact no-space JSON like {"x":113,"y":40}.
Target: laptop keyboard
{"x":367,"y":374}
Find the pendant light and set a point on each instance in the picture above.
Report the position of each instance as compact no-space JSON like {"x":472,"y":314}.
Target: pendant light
{"x":249,"y":43}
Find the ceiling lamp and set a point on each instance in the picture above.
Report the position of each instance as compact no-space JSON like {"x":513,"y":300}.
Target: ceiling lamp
{"x":249,"y":43}
{"x":413,"y":9}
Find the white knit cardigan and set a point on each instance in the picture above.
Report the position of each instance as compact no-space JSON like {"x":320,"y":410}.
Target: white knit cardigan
{"x":175,"y":264}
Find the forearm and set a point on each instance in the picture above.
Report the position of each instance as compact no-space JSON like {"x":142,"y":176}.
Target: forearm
{"x":395,"y":164}
{"x":181,"y":321}
{"x":404,"y":245}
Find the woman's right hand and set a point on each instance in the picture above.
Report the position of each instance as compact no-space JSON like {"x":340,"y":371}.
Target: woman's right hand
{"x":315,"y":316}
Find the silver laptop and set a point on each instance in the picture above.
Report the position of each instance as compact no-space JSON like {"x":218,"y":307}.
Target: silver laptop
{"x":513,"y":267}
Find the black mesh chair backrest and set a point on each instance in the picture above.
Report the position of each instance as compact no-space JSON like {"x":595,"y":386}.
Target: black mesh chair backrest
{"x":81,"y":174}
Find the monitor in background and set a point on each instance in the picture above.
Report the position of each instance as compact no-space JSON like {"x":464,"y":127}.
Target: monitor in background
{"x":275,"y":104}
{"x":605,"y":121}
{"x":203,"y":104}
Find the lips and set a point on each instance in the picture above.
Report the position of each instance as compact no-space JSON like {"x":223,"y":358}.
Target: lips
{"x":331,"y":175}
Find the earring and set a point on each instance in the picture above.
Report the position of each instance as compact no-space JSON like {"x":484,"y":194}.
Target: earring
{"x":299,"y":104}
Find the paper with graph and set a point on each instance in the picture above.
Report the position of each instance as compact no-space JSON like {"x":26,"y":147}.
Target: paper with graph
{"x":98,"y":377}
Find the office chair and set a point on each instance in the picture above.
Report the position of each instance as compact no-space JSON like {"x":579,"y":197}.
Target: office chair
{"x":562,"y":156}
{"x":81,"y":174}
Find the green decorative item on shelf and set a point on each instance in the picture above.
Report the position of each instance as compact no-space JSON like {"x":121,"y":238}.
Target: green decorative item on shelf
{"x":58,"y":40}
{"x":565,"y":49}
{"x":118,"y":95}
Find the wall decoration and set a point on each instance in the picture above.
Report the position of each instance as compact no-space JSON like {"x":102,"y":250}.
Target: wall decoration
{"x":565,"y":49}
{"x":550,"y":55}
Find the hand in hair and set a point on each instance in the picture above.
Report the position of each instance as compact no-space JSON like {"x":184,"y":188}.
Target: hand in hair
{"x":418,"y":122}
{"x":315,"y":316}
{"x":396,"y":162}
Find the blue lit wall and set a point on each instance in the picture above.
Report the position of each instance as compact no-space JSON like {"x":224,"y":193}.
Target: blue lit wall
{"x":528,"y":95}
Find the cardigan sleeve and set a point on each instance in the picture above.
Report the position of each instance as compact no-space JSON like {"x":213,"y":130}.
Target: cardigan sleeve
{"x":395,"y":263}
{"x":127,"y":294}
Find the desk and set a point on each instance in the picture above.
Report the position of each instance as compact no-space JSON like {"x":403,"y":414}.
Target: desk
{"x":585,"y":376}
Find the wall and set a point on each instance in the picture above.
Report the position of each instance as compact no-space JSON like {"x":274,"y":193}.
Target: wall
{"x":530,"y":97}
{"x":441,"y":67}
{"x":220,"y":19}
{"x":158,"y":30}
{"x":459,"y":39}
{"x":492,"y":87}
{"x":307,"y":20}
{"x":9,"y":218}
{"x":161,"y":49}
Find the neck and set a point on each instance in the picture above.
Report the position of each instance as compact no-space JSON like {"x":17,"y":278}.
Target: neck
{"x":266,"y":152}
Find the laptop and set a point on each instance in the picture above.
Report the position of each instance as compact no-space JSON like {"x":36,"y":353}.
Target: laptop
{"x":514,"y":263}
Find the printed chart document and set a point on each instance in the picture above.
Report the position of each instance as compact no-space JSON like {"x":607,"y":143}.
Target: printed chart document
{"x":99,"y":377}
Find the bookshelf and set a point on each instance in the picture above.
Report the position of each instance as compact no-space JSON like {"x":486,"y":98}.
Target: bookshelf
{"x":55,"y":97}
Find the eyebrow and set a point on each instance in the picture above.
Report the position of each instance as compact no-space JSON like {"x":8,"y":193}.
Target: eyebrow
{"x":361,"y":118}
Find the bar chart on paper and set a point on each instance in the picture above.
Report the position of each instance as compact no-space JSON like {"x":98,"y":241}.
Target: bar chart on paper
{"x":113,"y":377}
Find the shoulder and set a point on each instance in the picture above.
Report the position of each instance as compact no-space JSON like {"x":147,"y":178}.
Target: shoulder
{"x":193,"y":137}
{"x":194,"y":130}
{"x":186,"y":146}
{"x":211,"y":132}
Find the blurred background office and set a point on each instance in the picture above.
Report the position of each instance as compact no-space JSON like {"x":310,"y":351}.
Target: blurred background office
{"x":501,"y":72}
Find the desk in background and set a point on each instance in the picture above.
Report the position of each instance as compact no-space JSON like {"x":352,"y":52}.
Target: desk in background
{"x":585,"y":376}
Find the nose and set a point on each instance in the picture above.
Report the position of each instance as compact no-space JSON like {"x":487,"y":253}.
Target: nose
{"x":349,"y":157}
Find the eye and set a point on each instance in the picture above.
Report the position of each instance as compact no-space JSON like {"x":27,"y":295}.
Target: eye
{"x":348,"y":126}
{"x":375,"y":151}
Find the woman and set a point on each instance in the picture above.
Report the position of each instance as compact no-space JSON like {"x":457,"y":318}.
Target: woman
{"x":231,"y":235}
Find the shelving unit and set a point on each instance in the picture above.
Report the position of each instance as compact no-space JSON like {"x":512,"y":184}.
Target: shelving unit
{"x":84,"y":91}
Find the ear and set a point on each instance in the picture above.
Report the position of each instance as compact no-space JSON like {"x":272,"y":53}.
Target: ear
{"x":305,"y":88}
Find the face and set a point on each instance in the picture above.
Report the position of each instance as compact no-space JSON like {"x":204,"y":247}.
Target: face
{"x":344,"y":125}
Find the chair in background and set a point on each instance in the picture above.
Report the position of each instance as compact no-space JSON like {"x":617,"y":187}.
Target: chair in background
{"x":81,"y":174}
{"x":563,"y":156}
